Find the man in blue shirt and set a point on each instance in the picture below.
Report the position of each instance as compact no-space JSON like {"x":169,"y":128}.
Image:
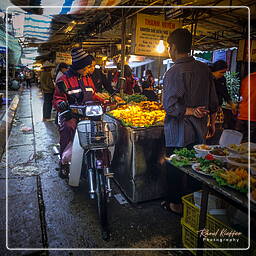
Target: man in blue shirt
{"x":188,"y":97}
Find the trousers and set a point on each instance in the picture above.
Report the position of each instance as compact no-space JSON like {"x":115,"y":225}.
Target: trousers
{"x":47,"y":106}
{"x":67,"y":129}
{"x":178,"y":183}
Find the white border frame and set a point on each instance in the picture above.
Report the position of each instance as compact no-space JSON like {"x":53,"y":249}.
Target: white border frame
{"x":128,"y":249}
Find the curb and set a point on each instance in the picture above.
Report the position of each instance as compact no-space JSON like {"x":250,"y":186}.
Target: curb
{"x":9,"y":116}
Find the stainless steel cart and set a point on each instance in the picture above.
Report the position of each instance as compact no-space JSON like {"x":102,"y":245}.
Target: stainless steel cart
{"x":136,"y":162}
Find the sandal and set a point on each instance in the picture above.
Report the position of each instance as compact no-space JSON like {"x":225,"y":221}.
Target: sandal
{"x":64,"y":171}
{"x":166,"y":206}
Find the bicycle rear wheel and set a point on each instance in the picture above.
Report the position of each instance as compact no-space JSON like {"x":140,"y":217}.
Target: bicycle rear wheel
{"x":102,"y":202}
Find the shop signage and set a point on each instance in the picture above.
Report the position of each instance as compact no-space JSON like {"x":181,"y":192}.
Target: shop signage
{"x":63,"y":57}
{"x":242,"y":54}
{"x":219,"y":55}
{"x":2,"y":49}
{"x":150,"y":30}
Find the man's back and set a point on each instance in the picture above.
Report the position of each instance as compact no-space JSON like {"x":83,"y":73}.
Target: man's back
{"x":187,"y":84}
{"x":194,"y":80}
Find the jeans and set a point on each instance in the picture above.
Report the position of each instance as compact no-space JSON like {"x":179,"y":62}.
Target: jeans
{"x":47,"y":107}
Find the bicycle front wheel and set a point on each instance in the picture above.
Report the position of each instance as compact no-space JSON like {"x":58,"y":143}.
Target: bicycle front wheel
{"x":102,"y":202}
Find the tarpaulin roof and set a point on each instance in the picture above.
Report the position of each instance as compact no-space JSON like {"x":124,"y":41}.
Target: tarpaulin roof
{"x":61,"y":27}
{"x":13,"y":46}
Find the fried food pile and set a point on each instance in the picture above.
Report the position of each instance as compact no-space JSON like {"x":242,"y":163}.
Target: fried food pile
{"x":143,"y":114}
{"x":238,"y":177}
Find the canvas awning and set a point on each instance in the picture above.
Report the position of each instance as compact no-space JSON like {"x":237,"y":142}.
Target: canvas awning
{"x":13,"y":45}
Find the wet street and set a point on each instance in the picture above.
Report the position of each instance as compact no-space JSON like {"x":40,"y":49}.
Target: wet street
{"x":44,"y":212}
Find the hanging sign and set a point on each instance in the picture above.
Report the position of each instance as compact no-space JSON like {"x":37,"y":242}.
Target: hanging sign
{"x":253,"y":51}
{"x":150,"y":30}
{"x":242,"y":54}
{"x":63,"y":57}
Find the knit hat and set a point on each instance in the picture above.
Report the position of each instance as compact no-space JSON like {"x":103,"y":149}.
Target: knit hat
{"x":80,"y":59}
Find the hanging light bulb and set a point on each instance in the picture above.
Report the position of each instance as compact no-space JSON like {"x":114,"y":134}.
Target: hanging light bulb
{"x":160,"y":47}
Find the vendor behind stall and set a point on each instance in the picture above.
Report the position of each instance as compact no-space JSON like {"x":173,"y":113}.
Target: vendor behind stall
{"x":148,"y":91}
{"x":150,"y":78}
{"x":60,"y":70}
{"x":188,"y":96}
{"x":99,"y":78}
{"x":243,"y":119}
{"x":218,"y":70}
{"x":131,"y":85}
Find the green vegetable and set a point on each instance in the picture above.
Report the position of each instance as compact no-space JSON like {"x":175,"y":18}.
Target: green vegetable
{"x":205,"y":164}
{"x":135,"y":98}
{"x":184,"y":157}
{"x":179,"y":162}
{"x":185,"y":152}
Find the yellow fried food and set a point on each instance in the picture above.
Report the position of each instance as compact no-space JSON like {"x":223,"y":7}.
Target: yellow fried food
{"x":145,"y":113}
{"x":237,"y":177}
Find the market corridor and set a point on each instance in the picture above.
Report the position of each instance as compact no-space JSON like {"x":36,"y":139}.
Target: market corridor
{"x":44,"y":212}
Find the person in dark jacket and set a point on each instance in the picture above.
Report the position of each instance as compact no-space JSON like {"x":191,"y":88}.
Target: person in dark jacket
{"x":99,"y":78}
{"x":150,"y":78}
{"x":188,"y":97}
{"x":148,"y":91}
{"x":218,"y":69}
{"x":47,"y":87}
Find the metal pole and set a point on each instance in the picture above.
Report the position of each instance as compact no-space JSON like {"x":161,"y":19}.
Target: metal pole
{"x":159,"y":70}
{"x":123,"y":36}
{"x":123,"y":43}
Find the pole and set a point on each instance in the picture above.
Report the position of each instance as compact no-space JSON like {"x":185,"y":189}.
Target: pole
{"x":193,"y":30}
{"x":159,"y":70}
{"x":158,"y":80}
{"x":123,"y":36}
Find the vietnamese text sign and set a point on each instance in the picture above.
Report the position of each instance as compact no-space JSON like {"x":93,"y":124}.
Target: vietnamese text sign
{"x":63,"y":57}
{"x":149,"y":30}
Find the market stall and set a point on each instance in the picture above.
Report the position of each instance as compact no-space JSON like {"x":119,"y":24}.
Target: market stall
{"x":137,"y":159}
{"x":222,"y":171}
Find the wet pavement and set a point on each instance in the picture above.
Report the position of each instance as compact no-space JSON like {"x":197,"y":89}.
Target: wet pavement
{"x":44,"y":212}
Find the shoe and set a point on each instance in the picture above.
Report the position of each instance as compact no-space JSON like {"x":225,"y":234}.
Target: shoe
{"x":64,"y":171}
{"x":166,"y":206}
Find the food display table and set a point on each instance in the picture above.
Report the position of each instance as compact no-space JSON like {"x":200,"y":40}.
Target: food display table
{"x":235,"y":198}
{"x":136,"y":162}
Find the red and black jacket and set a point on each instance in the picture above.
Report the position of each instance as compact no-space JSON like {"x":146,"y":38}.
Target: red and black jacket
{"x":74,"y":89}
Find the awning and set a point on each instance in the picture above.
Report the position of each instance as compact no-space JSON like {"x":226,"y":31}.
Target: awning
{"x":13,"y":46}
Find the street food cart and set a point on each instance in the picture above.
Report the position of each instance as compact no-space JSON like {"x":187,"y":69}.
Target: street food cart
{"x":137,"y":162}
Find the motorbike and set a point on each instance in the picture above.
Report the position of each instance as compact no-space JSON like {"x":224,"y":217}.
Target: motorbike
{"x":93,"y":143}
